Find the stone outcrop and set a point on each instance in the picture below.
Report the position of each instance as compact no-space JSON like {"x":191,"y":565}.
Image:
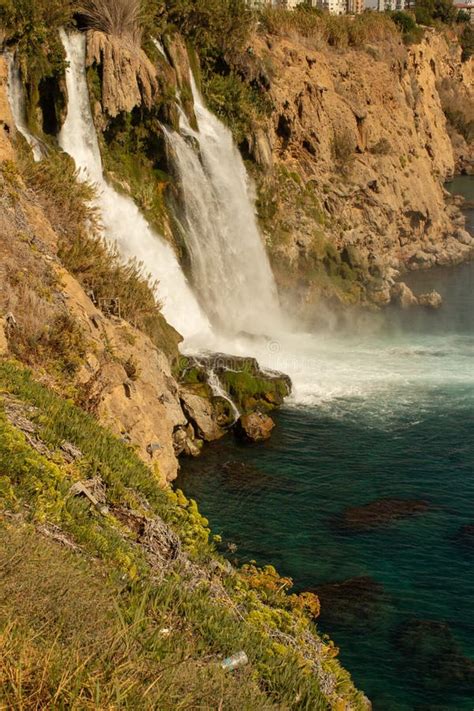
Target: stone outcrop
{"x":201,"y":414}
{"x":403,"y":296}
{"x":255,"y":427}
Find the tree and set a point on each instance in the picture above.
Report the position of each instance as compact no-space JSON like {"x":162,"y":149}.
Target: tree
{"x":426,"y":11}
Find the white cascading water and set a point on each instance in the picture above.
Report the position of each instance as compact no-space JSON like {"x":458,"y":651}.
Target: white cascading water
{"x":122,"y":221}
{"x":16,"y":97}
{"x":230,"y":268}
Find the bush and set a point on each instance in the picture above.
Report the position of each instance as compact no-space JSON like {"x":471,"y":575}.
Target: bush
{"x":235,"y":102}
{"x":427,"y":11}
{"x":382,"y":147}
{"x":460,"y":122}
{"x":32,"y":26}
{"x":404,"y":21}
{"x":343,"y":148}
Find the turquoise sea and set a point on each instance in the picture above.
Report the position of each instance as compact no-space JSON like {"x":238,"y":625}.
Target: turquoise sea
{"x":367,"y":498}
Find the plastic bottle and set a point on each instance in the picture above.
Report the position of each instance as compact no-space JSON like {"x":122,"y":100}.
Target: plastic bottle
{"x":235,"y":661}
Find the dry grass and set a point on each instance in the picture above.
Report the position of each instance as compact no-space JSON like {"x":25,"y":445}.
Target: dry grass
{"x":323,"y":29}
{"x":121,"y":18}
{"x":72,"y":638}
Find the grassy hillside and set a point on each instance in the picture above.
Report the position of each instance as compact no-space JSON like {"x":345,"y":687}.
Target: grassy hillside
{"x":112,"y":594}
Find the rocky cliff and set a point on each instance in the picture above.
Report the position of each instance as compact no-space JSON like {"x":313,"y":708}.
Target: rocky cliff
{"x":353,"y":159}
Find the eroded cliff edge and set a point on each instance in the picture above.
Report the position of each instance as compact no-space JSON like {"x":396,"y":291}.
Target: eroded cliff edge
{"x":353,"y":159}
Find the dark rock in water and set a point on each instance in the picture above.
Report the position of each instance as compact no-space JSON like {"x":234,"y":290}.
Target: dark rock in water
{"x":379,"y":513}
{"x":357,"y":602}
{"x":255,"y":427}
{"x":432,"y":653}
{"x":431,"y":300}
{"x":465,"y":536}
{"x":403,"y":296}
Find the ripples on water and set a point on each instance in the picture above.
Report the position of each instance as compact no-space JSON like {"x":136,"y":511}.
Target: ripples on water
{"x":380,"y":417}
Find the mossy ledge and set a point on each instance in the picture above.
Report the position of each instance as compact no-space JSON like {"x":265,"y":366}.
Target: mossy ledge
{"x":249,"y":387}
{"x":132,"y":600}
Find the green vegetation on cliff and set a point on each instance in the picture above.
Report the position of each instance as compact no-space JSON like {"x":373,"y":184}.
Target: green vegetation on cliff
{"x":131,"y":603}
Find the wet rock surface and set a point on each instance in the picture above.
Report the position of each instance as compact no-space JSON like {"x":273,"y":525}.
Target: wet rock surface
{"x":255,"y":427}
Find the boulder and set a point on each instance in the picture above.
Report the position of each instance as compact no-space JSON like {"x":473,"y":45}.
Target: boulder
{"x":431,"y":300}
{"x":200,"y":413}
{"x":255,"y":427}
{"x":185,"y":443}
{"x":403,"y":296}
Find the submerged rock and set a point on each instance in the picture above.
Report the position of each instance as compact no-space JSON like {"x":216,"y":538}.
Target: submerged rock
{"x":378,"y":513}
{"x":355,"y":602}
{"x":434,"y":655}
{"x":465,"y":536}
{"x":255,"y":427}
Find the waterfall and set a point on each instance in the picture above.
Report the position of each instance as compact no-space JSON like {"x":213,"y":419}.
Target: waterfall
{"x":122,"y":221}
{"x":16,"y":98}
{"x":218,"y":391}
{"x":230,"y":268}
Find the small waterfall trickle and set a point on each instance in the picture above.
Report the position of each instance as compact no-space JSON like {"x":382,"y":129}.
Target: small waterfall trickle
{"x":122,"y":221}
{"x":230,"y":268}
{"x":16,"y":96}
{"x":218,"y":391}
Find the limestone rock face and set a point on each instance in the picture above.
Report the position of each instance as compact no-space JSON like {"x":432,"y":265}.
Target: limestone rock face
{"x":360,"y":152}
{"x":129,"y":78}
{"x":255,"y":427}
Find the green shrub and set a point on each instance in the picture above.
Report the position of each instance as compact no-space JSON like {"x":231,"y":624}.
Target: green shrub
{"x":235,"y":102}
{"x":32,"y":26}
{"x":467,"y":42}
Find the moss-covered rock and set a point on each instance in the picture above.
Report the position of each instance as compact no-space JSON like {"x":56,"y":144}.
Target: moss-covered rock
{"x":242,"y":379}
